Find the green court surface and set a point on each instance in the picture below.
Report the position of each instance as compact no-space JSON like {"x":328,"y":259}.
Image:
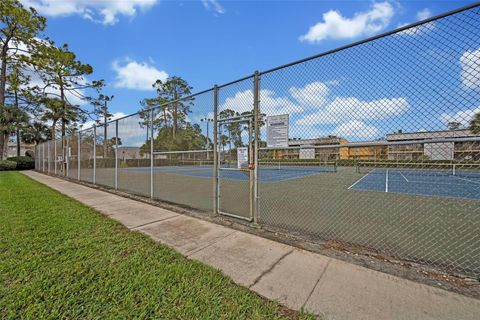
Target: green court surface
{"x":434,"y":230}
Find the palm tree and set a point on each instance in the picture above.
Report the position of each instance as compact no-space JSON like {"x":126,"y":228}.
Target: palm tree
{"x":36,"y":132}
{"x":475,"y":124}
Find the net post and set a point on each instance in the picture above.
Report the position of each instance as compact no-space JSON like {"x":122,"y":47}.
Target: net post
{"x":216,"y":193}
{"x":94,"y":153}
{"x":116,"y":154}
{"x":256,"y":120}
{"x":151,"y":153}
{"x":78,"y":155}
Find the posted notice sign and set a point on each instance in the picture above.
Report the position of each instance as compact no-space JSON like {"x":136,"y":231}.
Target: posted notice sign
{"x":277,"y":131}
{"x":242,"y":157}
{"x":307,"y":154}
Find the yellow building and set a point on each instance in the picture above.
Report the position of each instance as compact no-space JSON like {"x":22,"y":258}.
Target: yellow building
{"x":378,"y":152}
{"x":325,"y":153}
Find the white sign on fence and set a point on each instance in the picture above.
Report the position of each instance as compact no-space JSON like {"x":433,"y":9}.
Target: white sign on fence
{"x":307,"y":154}
{"x":277,"y":131}
{"x":242,"y":157}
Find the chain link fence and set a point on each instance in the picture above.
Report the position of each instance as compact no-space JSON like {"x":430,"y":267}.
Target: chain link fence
{"x":374,"y":145}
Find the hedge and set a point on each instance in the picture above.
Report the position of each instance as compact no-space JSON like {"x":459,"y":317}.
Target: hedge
{"x":23,"y":163}
{"x":7,"y":165}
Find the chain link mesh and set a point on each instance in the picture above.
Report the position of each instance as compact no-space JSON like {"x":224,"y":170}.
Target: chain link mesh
{"x":183,"y":156}
{"x":86,"y":155}
{"x":382,"y":150}
{"x":134,"y":154}
{"x":72,"y":156}
{"x":235,"y":102}
{"x":394,"y":113}
{"x":105,"y":155}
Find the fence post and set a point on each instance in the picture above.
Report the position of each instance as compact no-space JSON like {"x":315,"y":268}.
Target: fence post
{"x":78,"y":155}
{"x":151,"y":153}
{"x":94,"y":153}
{"x":256,"y":116}
{"x":116,"y":154}
{"x":48,"y":158}
{"x":67,"y":155}
{"x":215,"y":150}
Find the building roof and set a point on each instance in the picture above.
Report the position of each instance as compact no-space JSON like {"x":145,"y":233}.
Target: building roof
{"x":315,"y":141}
{"x":421,"y":135}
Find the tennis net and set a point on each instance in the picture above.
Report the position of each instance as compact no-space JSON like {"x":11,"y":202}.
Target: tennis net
{"x":298,"y":166}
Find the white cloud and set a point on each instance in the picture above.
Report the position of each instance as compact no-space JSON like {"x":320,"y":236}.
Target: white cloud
{"x":424,"y":14}
{"x":102,"y":11}
{"x":213,"y":5}
{"x":470,"y":62}
{"x":355,"y":128}
{"x":242,"y":101}
{"x":115,"y":116}
{"x":344,"y":109}
{"x":463,"y":117}
{"x":421,"y":29}
{"x":137,"y":75}
{"x":313,"y":94}
{"x":416,"y":31}
{"x":335,"y":26}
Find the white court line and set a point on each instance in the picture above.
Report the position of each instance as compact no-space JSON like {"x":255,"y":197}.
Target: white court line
{"x":386,"y":182}
{"x":467,"y":180}
{"x":358,"y":180}
{"x":404,"y":177}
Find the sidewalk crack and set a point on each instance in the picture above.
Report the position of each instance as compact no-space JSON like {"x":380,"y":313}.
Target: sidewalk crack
{"x":270,"y":268}
{"x":316,"y":284}
{"x":149,"y":223}
{"x":192,"y":252}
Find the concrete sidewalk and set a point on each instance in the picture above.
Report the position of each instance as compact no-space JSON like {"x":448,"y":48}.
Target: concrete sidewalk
{"x":295,"y":278}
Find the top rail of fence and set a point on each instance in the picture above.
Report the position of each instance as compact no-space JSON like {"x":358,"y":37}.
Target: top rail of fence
{"x":385,"y":34}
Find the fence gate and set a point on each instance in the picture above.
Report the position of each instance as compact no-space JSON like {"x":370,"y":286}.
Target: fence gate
{"x":236,"y":174}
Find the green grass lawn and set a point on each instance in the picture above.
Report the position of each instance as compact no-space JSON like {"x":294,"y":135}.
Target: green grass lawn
{"x":62,"y":260}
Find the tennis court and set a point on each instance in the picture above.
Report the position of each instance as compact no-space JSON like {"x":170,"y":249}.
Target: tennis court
{"x":384,"y":100}
{"x":441,"y":180}
{"x":268,"y":172}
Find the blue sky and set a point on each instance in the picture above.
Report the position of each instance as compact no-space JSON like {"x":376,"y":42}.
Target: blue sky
{"x":131,"y":43}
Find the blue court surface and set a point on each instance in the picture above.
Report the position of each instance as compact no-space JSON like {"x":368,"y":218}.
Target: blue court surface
{"x":265,"y":174}
{"x":421,"y":182}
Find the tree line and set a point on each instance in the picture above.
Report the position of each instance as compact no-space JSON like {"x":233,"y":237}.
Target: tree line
{"x":39,"y":79}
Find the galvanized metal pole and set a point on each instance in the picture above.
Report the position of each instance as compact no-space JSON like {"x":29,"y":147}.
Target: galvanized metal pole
{"x":48,"y":157}
{"x":67,"y":156}
{"x":251,"y":172}
{"x":216,"y":193}
{"x":78,"y":155}
{"x":94,"y":154}
{"x":55,"y":156}
{"x":256,"y":116}
{"x":151,"y":153}
{"x":43,"y":157}
{"x":116,"y":154}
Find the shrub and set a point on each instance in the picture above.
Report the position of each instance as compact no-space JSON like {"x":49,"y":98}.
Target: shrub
{"x":23,"y":163}
{"x":7,"y":165}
